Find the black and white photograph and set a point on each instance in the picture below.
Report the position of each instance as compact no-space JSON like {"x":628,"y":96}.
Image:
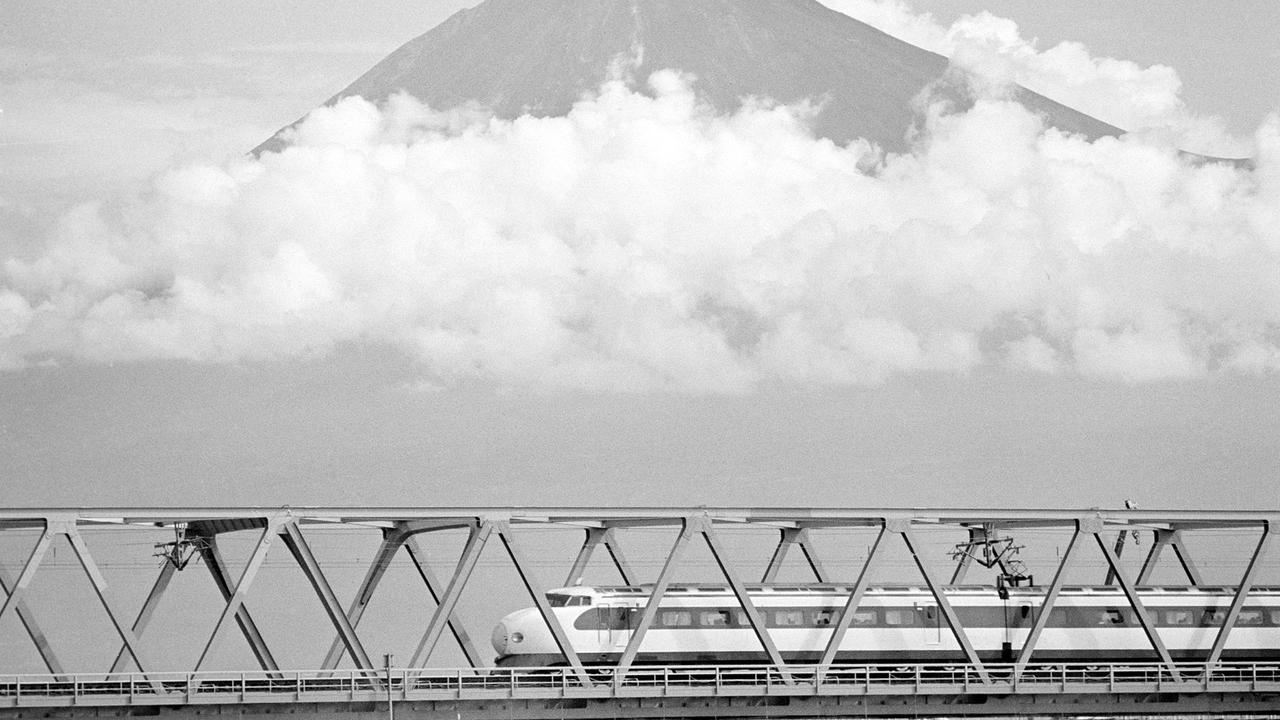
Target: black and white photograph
{"x":644,"y":359}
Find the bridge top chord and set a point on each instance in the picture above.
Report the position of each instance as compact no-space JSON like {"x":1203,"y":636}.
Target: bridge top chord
{"x":613,"y":516}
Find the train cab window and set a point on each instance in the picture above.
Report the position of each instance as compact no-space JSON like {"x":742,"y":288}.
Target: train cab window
{"x":788,"y":618}
{"x":557,"y":599}
{"x":823,"y":618}
{"x":864,"y":618}
{"x":900,"y":617}
{"x":676,"y":618}
{"x":579,"y":601}
{"x":1249,"y":618}
{"x":1179,"y":617}
{"x":604,"y":618}
{"x":713,"y":618}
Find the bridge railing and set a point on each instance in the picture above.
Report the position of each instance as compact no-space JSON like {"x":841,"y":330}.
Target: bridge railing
{"x":462,"y":684}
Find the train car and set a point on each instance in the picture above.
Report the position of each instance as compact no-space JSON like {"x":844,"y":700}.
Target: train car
{"x":894,"y":624}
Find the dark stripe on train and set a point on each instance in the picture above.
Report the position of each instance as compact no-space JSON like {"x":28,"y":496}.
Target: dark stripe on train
{"x":912,"y":657}
{"x":1013,"y":617}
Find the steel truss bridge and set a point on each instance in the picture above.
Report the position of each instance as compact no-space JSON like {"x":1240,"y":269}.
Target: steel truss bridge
{"x":134,"y":685}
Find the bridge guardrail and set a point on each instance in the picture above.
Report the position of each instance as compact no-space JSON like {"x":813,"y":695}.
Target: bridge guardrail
{"x":726,"y":680}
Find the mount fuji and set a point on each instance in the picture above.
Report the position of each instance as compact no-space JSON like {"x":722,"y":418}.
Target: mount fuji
{"x":538,"y":57}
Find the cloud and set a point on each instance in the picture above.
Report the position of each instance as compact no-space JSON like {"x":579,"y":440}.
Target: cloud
{"x":643,"y":242}
{"x":1120,"y":92}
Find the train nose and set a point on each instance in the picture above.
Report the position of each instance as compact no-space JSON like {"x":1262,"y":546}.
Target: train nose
{"x":499,"y":638}
{"x":505,"y":638}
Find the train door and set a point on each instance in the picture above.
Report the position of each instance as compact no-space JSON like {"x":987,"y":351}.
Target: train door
{"x":613,"y":626}
{"x":931,"y":623}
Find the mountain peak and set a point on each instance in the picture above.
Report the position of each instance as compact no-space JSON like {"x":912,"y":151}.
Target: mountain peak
{"x":540,"y":56}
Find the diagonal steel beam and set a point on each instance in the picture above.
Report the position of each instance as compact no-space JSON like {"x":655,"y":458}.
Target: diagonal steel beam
{"x":1136,"y":603}
{"x":1184,"y":559}
{"x":1171,"y":539}
{"x":794,"y":537}
{"x":456,"y":628}
{"x":811,"y":556}
{"x":167,"y":571}
{"x":1118,"y":550}
{"x":779,"y":556}
{"x":619,"y":560}
{"x":595,"y":536}
{"x":744,"y":599}
{"x":539,"y":596}
{"x":966,"y":560}
{"x":393,"y":539}
{"x":1162,"y":541}
{"x":687,"y":530}
{"x":1046,"y":607}
{"x":391,"y":542}
{"x":953,"y":620}
{"x":99,"y":583}
{"x":1242,"y":592}
{"x":217,"y":566}
{"x":28,"y":571}
{"x":28,"y":620}
{"x":306,"y":559}
{"x":851,"y":605}
{"x":235,"y":601}
{"x":476,"y":540}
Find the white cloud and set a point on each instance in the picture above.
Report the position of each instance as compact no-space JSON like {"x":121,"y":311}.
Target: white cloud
{"x":1120,"y":92}
{"x":643,"y":242}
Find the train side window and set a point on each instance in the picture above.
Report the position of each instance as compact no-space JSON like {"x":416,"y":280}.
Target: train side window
{"x":1212,"y":617}
{"x":713,"y":618}
{"x":864,"y":618}
{"x":579,"y":600}
{"x":822,"y":618}
{"x":788,"y":618}
{"x":619,"y":617}
{"x":900,"y":617}
{"x":1111,"y":616}
{"x":677,"y":618}
{"x":1179,"y":617}
{"x":1249,"y":618}
{"x":1275,"y":616}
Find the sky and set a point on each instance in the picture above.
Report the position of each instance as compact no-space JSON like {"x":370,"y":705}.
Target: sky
{"x":100,"y":99}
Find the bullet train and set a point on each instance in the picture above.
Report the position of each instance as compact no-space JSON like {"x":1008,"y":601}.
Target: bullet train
{"x":893,"y":624}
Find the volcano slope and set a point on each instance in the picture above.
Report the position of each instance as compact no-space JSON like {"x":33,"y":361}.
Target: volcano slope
{"x":540,"y":56}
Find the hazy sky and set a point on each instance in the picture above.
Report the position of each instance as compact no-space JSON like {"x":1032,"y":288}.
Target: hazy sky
{"x":98,"y":96}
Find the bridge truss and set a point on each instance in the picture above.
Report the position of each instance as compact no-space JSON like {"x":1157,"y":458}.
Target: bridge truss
{"x":198,"y":532}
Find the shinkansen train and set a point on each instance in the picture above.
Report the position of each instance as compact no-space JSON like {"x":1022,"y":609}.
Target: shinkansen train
{"x":893,"y":624}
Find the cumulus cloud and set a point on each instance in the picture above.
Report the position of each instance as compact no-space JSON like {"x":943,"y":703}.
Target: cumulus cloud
{"x":1120,"y":92}
{"x":644,"y":242}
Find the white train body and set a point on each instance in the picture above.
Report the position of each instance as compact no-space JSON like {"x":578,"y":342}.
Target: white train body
{"x":705,"y":624}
